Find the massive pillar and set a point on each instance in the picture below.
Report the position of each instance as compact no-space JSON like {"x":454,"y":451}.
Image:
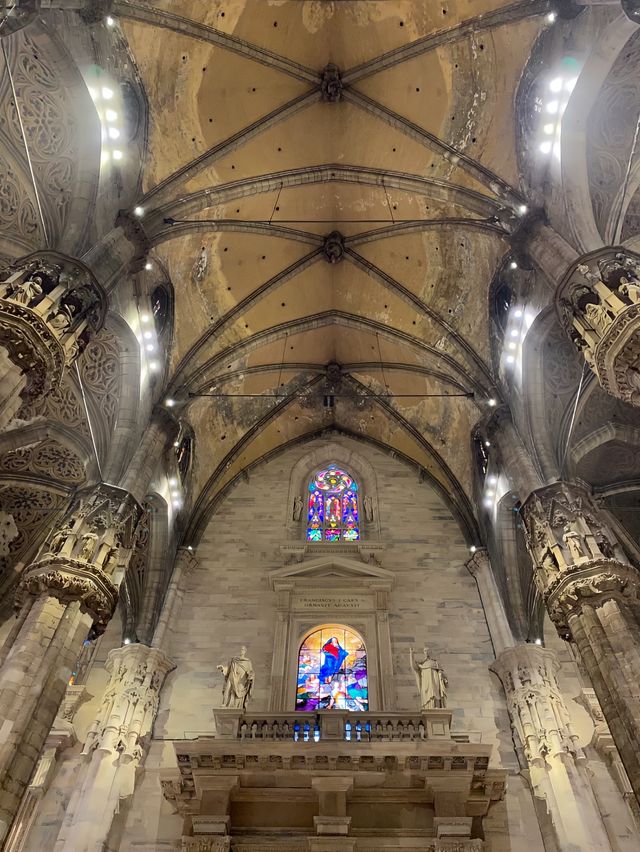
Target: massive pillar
{"x":557,"y":767}
{"x":69,"y":589}
{"x":598,"y":302}
{"x":117,"y":740}
{"x":50,"y":306}
{"x":592,"y":595}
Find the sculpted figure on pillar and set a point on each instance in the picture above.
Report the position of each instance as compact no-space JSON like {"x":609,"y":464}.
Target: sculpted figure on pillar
{"x":78,"y":560}
{"x":239,"y":679}
{"x":431,"y":680}
{"x":598,"y":302}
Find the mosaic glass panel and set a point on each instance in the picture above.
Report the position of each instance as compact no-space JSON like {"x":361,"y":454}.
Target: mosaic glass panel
{"x":333,"y":506}
{"x":332,"y":671}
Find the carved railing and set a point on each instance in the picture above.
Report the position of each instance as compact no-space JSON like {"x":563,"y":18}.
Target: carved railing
{"x":357,"y":727}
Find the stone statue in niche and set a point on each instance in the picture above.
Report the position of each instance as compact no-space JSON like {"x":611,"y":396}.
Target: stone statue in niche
{"x":239,"y":678}
{"x":368,"y":508}
{"x":431,"y":680}
{"x":58,"y":540}
{"x":297,"y":507}
{"x":573,"y":542}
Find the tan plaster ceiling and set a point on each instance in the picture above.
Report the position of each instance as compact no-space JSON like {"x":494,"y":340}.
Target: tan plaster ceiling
{"x":257,"y":168}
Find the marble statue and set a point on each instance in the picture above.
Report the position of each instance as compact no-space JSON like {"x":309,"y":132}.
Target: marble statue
{"x":297,"y":507}
{"x":573,"y":542}
{"x":89,"y":541}
{"x":58,"y":540}
{"x":29,"y":290}
{"x":431,"y":680}
{"x":238,"y":681}
{"x":368,"y":508}
{"x":599,"y":317}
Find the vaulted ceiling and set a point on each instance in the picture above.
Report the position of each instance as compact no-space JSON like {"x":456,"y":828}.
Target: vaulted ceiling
{"x":331,"y":182}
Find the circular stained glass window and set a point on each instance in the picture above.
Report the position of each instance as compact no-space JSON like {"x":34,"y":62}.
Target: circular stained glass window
{"x":334,"y":480}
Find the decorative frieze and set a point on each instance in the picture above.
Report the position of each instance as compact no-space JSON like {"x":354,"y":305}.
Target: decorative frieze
{"x":598,"y":302}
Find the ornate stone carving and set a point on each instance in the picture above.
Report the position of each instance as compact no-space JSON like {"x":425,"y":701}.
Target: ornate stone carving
{"x":331,"y":84}
{"x":50,"y":306}
{"x":333,"y":247}
{"x":123,"y":723}
{"x":577,"y":557}
{"x":49,"y":458}
{"x":8,"y":532}
{"x":79,"y":560}
{"x":598,"y":302}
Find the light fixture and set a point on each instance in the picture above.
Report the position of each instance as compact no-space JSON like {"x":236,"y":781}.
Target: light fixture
{"x":189,"y":547}
{"x":545,"y":147}
{"x":517,"y":313}
{"x":556,"y":85}
{"x":491,"y":402}
{"x":145,"y":317}
{"x":487,"y":443}
{"x":151,"y":347}
{"x":552,"y":107}
{"x":148,"y":266}
{"x":107,"y":93}
{"x":522,"y":209}
{"x":473,"y":548}
{"x":127,"y":641}
{"x":510,"y":359}
{"x":514,"y":332}
{"x":138,"y":211}
{"x":492,"y":480}
{"x":488,"y":502}
{"x":548,"y":129}
{"x":110,"y":114}
{"x":117,"y":155}
{"x":147,"y":335}
{"x":538,"y":641}
{"x":169,"y":403}
{"x":176,"y":443}
{"x":551,"y":18}
{"x":109,"y":21}
{"x":173,"y":482}
{"x":513,"y":265}
{"x":511,"y":345}
{"x":154,"y":365}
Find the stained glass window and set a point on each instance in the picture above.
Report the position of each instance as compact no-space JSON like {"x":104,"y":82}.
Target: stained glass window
{"x":333,"y":506}
{"x":332,"y":670}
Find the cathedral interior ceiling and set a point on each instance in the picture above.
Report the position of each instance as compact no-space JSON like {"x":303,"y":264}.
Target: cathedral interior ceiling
{"x":261,"y":168}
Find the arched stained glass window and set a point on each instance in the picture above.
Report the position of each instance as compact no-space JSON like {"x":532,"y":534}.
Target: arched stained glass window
{"x":332,"y":670}
{"x":333,"y":506}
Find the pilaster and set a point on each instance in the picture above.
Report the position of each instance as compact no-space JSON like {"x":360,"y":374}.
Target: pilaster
{"x":480,"y":569}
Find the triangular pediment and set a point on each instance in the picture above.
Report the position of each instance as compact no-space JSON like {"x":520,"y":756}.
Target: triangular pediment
{"x":332,"y":566}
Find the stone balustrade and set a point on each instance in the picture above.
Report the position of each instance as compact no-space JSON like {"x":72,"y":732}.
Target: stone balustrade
{"x":598,"y":302}
{"x":336,"y":725}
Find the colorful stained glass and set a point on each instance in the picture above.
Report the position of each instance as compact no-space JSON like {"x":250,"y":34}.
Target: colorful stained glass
{"x":333,"y":506}
{"x":332,"y":671}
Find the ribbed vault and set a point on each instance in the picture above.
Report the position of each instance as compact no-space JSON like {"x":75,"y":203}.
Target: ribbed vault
{"x":331,"y":208}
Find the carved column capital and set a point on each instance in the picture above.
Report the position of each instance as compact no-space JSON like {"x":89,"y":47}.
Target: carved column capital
{"x":82,"y":560}
{"x":576,"y":555}
{"x":598,"y":303}
{"x":479,"y":562}
{"x":50,"y":306}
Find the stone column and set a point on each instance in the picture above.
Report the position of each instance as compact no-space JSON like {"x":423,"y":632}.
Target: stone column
{"x":515,"y":459}
{"x":161,"y":431}
{"x":557,"y":765}
{"x":592,"y":594}
{"x":480,"y":569}
{"x":50,"y":306}
{"x":115,"y":745}
{"x":69,"y":589}
{"x":598,"y":303}
{"x":118,"y":738}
